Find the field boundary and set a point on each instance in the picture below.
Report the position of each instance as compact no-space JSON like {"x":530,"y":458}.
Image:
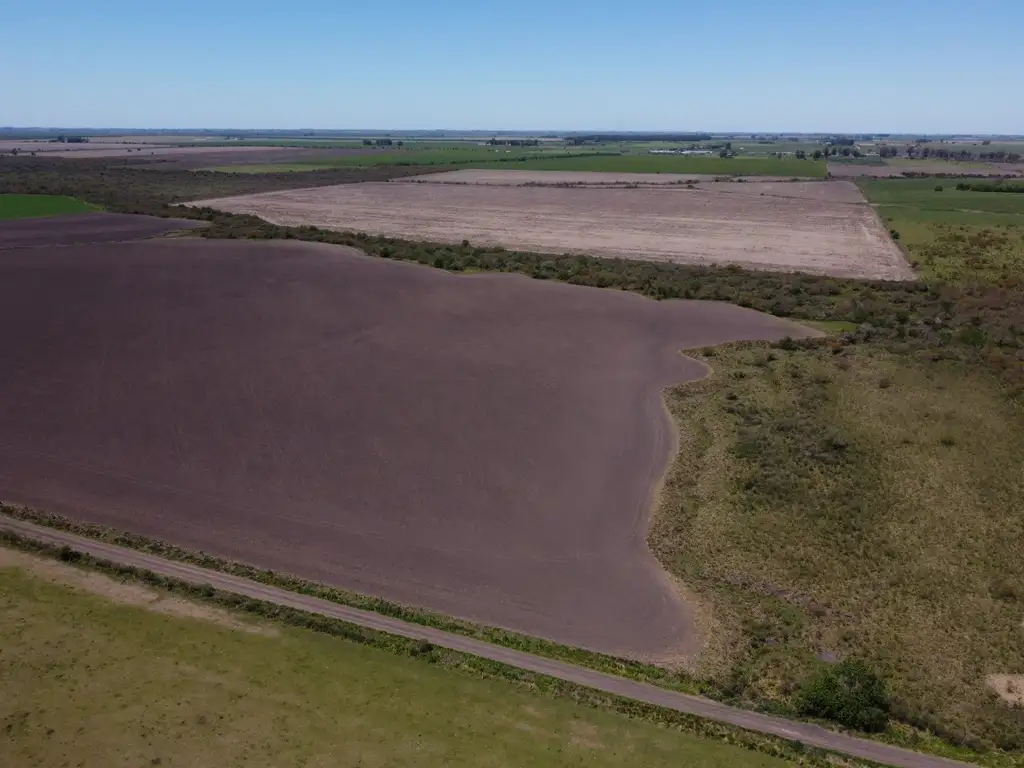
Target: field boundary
{"x":67,"y":545}
{"x":663,"y":677}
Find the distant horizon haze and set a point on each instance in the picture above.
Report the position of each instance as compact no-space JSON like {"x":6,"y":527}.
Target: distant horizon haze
{"x":323,"y":132}
{"x":904,"y":67}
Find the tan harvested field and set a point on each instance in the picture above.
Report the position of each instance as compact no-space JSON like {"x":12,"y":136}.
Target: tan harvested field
{"x":485,"y":446}
{"x":896,"y":168}
{"x":823,"y":233}
{"x":822,"y":191}
{"x":490,"y":177}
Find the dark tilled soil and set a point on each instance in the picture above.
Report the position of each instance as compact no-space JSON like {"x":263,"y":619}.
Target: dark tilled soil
{"x":485,"y":446}
{"x":86,"y":228}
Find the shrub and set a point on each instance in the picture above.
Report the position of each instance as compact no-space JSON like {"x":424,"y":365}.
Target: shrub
{"x":938,"y":187}
{"x":849,"y":693}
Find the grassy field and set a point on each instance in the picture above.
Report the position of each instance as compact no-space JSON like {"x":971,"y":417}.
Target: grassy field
{"x":165,"y":682}
{"x":583,"y":159}
{"x":31,"y":206}
{"x":737,"y":166}
{"x":950,"y":234}
{"x":924,"y":194}
{"x":467,"y":155}
{"x":849,"y":501}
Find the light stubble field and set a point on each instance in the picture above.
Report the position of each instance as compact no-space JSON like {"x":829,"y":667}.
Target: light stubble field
{"x":815,"y":227}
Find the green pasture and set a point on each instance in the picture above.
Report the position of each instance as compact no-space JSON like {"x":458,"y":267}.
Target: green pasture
{"x":87,"y":681}
{"x":951,"y":234}
{"x":585,"y":159}
{"x":924,"y":194}
{"x":736,"y":166}
{"x":474,"y":156}
{"x":32,"y":206}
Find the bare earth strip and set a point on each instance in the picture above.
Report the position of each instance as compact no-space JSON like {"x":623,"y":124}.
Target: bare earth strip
{"x":692,"y":226}
{"x":485,"y":446}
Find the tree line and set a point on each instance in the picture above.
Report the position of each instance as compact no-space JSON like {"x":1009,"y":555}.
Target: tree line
{"x":914,"y":151}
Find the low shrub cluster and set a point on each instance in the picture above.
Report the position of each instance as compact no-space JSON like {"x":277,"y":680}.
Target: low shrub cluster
{"x":849,"y":693}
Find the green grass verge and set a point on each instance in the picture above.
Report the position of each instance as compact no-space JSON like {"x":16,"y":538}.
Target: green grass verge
{"x":649,"y":673}
{"x":833,"y":501}
{"x":127,"y":685}
{"x":953,"y":235}
{"x":33,"y":206}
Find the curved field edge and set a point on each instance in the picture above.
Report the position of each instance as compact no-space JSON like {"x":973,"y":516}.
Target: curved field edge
{"x":832,"y":500}
{"x":446,"y":659}
{"x":674,"y":679}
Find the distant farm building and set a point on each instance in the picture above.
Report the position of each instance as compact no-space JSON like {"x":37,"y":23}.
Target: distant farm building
{"x":679,"y":151}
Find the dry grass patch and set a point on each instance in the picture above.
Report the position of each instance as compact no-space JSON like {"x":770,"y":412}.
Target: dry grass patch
{"x":87,"y":681}
{"x":1009,"y":688}
{"x":835,"y":502}
{"x":125,"y":592}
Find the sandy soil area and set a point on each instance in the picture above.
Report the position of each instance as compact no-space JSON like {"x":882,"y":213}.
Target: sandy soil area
{"x":816,"y":234}
{"x":124,"y":592}
{"x":486,"y":446}
{"x":491,"y":177}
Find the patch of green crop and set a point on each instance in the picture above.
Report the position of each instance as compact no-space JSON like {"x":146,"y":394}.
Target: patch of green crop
{"x":32,"y":206}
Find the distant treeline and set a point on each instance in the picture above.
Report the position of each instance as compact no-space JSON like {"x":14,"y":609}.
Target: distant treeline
{"x":913,"y":151}
{"x":600,"y":137}
{"x":990,"y":186}
{"x":513,"y":142}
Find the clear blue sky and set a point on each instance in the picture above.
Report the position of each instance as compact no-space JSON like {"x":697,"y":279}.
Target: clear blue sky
{"x":798,"y":65}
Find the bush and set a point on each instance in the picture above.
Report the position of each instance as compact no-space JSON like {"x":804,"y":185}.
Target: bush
{"x":849,"y":693}
{"x":938,"y":187}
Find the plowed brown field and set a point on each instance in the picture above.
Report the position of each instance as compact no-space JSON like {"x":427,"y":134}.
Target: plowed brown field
{"x":819,"y":227}
{"x":485,"y":446}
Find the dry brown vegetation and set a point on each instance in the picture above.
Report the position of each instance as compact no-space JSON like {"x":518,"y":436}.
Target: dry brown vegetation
{"x":848,"y":501}
{"x":819,"y":232}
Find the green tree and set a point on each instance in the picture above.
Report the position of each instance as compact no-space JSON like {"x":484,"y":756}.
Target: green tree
{"x":849,"y":693}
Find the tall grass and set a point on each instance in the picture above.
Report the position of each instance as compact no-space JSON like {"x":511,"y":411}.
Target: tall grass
{"x":836,"y":501}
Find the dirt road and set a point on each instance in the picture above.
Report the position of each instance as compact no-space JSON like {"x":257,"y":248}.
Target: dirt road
{"x":804,"y":733}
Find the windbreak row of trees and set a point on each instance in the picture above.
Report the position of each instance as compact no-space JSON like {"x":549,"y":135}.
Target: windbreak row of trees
{"x":818,"y":154}
{"x":914,"y":151}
